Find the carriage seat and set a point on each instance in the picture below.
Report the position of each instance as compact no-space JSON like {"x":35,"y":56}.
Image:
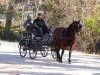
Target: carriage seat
{"x":37,"y":34}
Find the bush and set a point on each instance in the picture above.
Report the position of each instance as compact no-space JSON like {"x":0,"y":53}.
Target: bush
{"x":12,"y":34}
{"x":90,"y":35}
{"x":2,"y":10}
{"x":91,"y":28}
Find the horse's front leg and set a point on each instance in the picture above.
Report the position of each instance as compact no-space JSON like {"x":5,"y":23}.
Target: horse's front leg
{"x":61,"y":55}
{"x":69,"y":59}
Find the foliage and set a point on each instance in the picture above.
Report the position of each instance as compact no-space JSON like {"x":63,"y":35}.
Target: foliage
{"x":92,"y":28}
{"x":54,"y":13}
{"x":91,"y":35}
{"x":10,"y":35}
{"x":2,"y":10}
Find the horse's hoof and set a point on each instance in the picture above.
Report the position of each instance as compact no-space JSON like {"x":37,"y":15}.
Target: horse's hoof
{"x":69,"y":62}
{"x":60,"y":61}
{"x":57,"y":59}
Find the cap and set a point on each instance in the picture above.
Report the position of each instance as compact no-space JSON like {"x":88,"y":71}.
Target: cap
{"x":28,"y":15}
{"x":39,"y":14}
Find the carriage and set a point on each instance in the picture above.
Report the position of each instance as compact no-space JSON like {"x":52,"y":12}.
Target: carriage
{"x":62,"y":37}
{"x":34,"y":43}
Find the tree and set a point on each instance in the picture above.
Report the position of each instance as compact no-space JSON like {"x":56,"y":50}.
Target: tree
{"x":9,"y":15}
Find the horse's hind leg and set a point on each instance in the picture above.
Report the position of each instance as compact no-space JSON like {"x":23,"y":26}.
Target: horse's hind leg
{"x":61,"y":55}
{"x":58,"y":55}
{"x":69,"y":59}
{"x":57,"y":48}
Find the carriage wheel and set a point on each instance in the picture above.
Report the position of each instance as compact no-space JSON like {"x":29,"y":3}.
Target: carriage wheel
{"x":33,"y":51}
{"x":54,"y":54}
{"x":44,"y":51}
{"x":22,"y":49}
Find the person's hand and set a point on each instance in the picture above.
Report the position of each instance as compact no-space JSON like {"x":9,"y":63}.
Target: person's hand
{"x":27,"y":26}
{"x":30,"y":26}
{"x":36,"y":26}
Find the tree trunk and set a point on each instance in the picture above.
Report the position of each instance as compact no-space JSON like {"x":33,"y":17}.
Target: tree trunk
{"x":9,"y":15}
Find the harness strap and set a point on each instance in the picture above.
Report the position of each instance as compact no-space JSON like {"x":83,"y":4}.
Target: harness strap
{"x":67,"y":38}
{"x":55,"y":33}
{"x":63,"y":38}
{"x":62,"y":31}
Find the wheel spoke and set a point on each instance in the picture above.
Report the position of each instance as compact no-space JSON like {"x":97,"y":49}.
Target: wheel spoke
{"x":44,"y":51}
{"x":22,"y":49}
{"x":32,"y":51}
{"x":54,"y":55}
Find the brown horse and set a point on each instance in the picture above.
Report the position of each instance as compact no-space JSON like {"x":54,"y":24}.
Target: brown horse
{"x":66,"y":37}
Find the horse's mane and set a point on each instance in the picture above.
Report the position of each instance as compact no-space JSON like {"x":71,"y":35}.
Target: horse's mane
{"x":71,"y":25}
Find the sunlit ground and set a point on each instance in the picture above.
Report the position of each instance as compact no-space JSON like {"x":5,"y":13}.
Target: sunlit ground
{"x":12,"y":64}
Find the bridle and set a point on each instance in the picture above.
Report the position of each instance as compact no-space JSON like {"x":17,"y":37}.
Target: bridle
{"x":78,"y":31}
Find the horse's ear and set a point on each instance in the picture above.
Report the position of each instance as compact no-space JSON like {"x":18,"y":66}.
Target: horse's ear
{"x":79,"y":21}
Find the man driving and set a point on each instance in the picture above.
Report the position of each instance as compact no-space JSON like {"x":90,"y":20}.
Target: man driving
{"x":40,"y":25}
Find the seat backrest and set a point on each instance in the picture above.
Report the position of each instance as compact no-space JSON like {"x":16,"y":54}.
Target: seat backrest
{"x":47,"y":38}
{"x":35,"y":33}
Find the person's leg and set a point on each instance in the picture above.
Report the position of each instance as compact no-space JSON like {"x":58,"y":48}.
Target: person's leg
{"x":26,"y":32}
{"x":46,"y":30}
{"x":29,"y":34}
{"x":40,"y":32}
{"x":49,"y":32}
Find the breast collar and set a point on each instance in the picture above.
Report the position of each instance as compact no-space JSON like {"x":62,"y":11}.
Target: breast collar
{"x":62,"y":37}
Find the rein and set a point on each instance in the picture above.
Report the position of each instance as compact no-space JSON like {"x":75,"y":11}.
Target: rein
{"x":65,"y":38}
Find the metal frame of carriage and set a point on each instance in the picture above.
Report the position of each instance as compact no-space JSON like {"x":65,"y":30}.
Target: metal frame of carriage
{"x":34,"y":44}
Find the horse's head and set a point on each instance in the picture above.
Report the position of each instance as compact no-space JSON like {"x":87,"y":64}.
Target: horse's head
{"x":77,"y":26}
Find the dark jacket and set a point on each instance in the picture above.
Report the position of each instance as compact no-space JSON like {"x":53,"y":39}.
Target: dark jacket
{"x":39,"y":23}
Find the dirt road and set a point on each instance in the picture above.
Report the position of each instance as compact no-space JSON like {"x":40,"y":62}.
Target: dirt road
{"x":12,"y":64}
